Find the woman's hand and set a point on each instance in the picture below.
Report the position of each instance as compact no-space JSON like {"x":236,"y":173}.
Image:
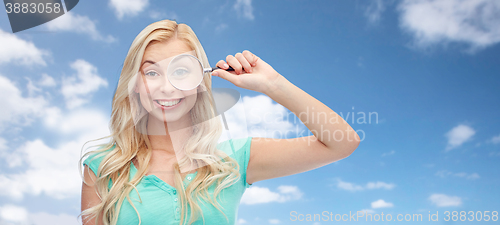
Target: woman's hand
{"x":250,"y":72}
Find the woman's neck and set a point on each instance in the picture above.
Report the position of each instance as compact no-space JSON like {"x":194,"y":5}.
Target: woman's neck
{"x":169,"y":137}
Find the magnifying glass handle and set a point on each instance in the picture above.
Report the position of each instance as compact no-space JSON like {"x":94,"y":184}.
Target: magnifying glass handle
{"x":216,"y":68}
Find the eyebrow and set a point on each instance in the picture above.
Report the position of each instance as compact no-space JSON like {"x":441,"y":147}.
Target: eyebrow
{"x":149,"y":61}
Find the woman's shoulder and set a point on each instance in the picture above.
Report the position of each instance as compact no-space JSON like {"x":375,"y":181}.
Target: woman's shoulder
{"x":239,"y":150}
{"x":235,"y":146}
{"x":95,"y":158}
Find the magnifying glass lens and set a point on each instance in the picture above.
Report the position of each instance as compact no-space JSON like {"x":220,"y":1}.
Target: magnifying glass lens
{"x":185,"y":72}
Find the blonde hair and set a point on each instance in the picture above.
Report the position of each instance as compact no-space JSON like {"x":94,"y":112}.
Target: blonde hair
{"x":129,"y":143}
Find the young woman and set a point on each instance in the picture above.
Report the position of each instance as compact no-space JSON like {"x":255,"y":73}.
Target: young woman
{"x":163,"y":164}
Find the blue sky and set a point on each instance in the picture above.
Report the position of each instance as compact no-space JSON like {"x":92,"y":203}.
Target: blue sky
{"x":427,"y":70}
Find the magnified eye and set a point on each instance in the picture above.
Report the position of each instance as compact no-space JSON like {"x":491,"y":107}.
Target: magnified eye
{"x":151,"y":73}
{"x":180,"y":72}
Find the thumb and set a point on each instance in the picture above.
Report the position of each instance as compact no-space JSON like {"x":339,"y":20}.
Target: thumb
{"x":226,"y":76}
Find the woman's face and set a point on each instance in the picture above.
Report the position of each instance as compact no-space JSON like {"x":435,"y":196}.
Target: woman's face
{"x":163,"y":101}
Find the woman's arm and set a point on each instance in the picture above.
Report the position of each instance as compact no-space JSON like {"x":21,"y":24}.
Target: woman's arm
{"x":89,"y":195}
{"x":333,"y":138}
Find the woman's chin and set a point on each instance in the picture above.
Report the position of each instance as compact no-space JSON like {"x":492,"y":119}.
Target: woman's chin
{"x":171,"y":120}
{"x":166,"y":118}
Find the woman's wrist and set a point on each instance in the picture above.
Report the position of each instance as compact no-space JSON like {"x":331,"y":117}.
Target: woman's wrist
{"x":277,"y":86}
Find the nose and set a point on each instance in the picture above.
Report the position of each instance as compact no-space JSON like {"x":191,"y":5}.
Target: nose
{"x":166,"y":86}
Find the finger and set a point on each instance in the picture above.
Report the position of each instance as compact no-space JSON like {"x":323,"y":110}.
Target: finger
{"x":227,"y":76}
{"x":222,"y":64}
{"x":233,"y":62}
{"x":250,"y":57}
{"x":244,"y":62}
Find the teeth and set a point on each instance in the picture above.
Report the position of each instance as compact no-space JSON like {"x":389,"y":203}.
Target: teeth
{"x":168,"y":103}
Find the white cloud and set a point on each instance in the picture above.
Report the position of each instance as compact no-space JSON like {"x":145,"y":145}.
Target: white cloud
{"x":379,"y":185}
{"x":374,"y":11}
{"x":46,"y":166}
{"x":496,"y":139}
{"x":128,"y":7}
{"x":16,"y":108}
{"x":371,"y":211}
{"x":3,"y":144}
{"x":72,"y":22}
{"x":274,"y":221}
{"x":258,"y":195}
{"x":244,"y":8}
{"x":268,"y":119}
{"x":388,"y":153}
{"x":469,"y":176}
{"x":242,"y":221}
{"x":19,"y":51}
{"x":259,"y":117}
{"x":13,"y":213}
{"x":43,"y":218}
{"x":349,"y":186}
{"x":370,"y":185}
{"x":19,"y":215}
{"x":381,"y":204}
{"x":12,"y":159}
{"x":292,"y":192}
{"x":459,"y":135}
{"x":442,"y":200}
{"x":78,"y":121}
{"x":78,"y":89}
{"x":32,"y":89}
{"x":431,"y":22}
{"x":220,"y":27}
{"x":47,"y":81}
{"x":83,"y":123}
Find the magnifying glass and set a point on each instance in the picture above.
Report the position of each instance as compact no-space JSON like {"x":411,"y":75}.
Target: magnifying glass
{"x":185,"y":72}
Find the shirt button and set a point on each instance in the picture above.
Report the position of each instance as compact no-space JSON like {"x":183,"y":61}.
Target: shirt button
{"x":175,"y":199}
{"x":175,"y":192}
{"x":189,"y":178}
{"x":177,"y":209}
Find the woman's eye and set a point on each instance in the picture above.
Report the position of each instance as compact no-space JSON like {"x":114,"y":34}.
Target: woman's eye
{"x":151,"y":74}
{"x":180,"y":72}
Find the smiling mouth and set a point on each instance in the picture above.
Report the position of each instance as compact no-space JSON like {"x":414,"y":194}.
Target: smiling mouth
{"x":168,"y":103}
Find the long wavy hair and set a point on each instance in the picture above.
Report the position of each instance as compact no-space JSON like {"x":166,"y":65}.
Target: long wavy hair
{"x":128,"y":143}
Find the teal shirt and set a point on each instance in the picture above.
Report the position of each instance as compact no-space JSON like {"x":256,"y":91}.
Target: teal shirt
{"x":161,"y":205}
